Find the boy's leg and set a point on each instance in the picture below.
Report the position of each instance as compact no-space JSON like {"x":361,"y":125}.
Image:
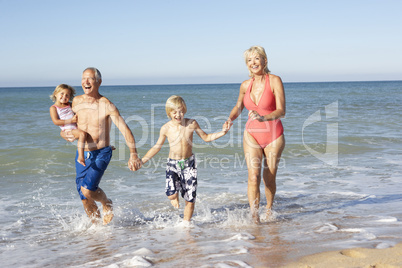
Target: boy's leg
{"x":172,"y":183}
{"x":81,"y":136}
{"x":188,"y":210}
{"x":174,"y":200}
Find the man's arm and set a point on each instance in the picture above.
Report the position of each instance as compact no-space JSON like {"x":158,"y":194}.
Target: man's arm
{"x":134,"y":163}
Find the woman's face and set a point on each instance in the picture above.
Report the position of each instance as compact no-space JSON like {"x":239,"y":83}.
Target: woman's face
{"x":256,"y":64}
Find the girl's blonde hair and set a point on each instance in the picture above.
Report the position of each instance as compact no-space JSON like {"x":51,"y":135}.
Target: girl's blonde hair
{"x":260,"y":51}
{"x":60,"y":88}
{"x":175,"y":102}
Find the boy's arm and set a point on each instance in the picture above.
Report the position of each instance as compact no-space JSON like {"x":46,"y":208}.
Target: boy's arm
{"x":212,"y":136}
{"x":157,"y":147}
{"x":57,"y":121}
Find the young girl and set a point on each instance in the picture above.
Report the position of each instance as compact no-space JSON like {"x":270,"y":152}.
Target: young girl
{"x":62,"y":115}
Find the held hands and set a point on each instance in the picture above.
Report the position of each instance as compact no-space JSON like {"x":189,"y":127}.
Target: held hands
{"x":134,"y":163}
{"x":227,"y":125}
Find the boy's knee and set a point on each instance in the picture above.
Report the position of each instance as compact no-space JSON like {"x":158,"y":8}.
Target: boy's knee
{"x":173,"y":196}
{"x":190,"y":204}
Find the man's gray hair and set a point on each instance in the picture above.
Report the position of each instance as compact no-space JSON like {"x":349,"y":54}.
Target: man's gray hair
{"x":98,"y":75}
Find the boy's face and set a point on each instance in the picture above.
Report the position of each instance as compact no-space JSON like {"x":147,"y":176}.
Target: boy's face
{"x":63,"y":96}
{"x":177,"y":114}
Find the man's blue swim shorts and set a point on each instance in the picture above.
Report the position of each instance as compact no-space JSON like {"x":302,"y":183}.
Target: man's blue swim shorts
{"x":96,"y":163}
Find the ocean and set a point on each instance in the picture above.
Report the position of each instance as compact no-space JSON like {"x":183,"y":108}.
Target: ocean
{"x":339,"y":183}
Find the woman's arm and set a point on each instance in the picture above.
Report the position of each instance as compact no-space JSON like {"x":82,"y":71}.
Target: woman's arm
{"x":238,"y":108}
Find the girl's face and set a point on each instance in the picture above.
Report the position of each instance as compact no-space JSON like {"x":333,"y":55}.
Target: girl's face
{"x":63,"y":96}
{"x":177,"y":115}
{"x":255,"y":64}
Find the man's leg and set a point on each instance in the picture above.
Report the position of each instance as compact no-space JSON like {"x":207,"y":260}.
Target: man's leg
{"x":92,"y":209}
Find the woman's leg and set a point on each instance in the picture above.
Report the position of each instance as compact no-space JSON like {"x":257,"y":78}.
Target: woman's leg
{"x":272,"y":154}
{"x":253,"y":154}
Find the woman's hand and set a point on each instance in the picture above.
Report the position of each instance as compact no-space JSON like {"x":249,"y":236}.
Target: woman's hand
{"x":255,"y":116}
{"x":227,"y":125}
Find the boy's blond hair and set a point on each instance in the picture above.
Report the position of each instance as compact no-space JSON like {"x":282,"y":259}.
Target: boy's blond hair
{"x":175,"y":102}
{"x":260,"y":51}
{"x":60,"y":88}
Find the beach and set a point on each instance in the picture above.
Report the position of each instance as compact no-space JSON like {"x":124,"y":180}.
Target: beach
{"x":338,"y":200}
{"x":355,"y":257}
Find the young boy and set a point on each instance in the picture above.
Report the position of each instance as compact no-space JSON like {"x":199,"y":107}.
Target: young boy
{"x":181,"y":170}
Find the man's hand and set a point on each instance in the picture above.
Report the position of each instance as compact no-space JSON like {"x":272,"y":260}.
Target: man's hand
{"x":134,"y":163}
{"x":67,"y":135}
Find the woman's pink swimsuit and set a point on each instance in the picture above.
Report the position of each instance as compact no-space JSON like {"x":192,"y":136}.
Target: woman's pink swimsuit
{"x":267,"y":131}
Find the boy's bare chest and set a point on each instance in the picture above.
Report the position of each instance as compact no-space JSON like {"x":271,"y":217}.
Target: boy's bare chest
{"x":180,"y":133}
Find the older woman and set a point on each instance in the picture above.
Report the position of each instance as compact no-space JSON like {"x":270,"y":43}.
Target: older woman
{"x":263,"y":142}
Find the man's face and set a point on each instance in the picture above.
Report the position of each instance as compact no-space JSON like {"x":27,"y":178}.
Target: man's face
{"x":89,"y":83}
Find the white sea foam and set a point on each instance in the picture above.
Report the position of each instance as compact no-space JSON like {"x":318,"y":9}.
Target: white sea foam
{"x":326,"y":228}
{"x":242,"y":236}
{"x":137,"y":261}
{"x":388,"y":219}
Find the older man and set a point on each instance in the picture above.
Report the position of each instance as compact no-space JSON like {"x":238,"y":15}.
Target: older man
{"x":95,"y":114}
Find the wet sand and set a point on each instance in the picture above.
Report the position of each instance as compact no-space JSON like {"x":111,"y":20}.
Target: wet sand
{"x":354,"y":257}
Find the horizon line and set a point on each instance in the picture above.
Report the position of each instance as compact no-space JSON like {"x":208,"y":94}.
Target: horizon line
{"x":183,"y":84}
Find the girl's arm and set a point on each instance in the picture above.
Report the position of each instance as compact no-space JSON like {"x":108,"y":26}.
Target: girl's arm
{"x":57,"y":121}
{"x":157,"y":147}
{"x":209,"y":137}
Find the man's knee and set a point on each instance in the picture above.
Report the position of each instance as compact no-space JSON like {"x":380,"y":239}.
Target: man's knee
{"x":87,"y":193}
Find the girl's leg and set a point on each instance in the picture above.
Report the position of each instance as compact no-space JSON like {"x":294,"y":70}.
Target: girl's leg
{"x":272,"y":154}
{"x":81,"y":136}
{"x":253,"y":154}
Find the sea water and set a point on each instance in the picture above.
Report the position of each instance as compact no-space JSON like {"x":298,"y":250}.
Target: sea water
{"x":338,"y":185}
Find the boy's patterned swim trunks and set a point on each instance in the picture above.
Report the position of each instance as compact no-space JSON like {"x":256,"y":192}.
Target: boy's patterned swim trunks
{"x":182,"y":175}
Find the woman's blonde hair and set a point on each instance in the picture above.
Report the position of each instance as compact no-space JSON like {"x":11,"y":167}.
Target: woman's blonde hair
{"x":175,"y":102}
{"x":60,"y":88}
{"x":260,"y":51}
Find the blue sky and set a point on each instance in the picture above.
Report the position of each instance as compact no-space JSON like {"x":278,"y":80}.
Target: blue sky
{"x":47,"y":42}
